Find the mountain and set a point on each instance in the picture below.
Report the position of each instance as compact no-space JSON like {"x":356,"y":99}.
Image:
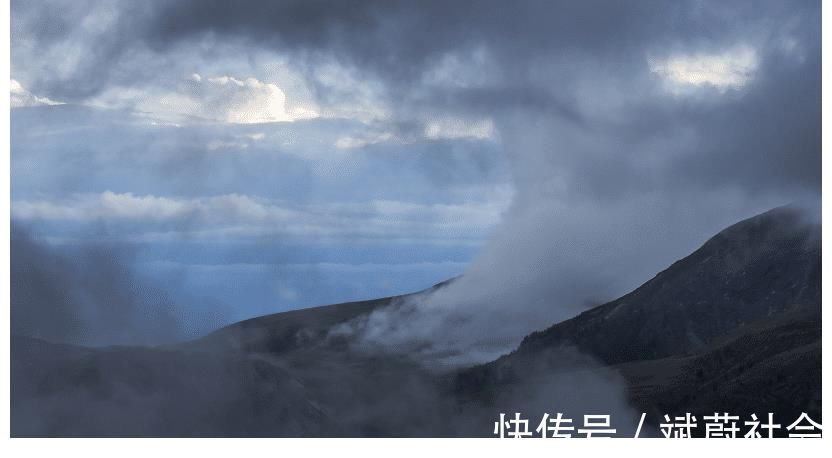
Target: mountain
{"x":277,"y":375}
{"x":283,"y":332}
{"x":758,"y":268}
{"x":734,"y":327}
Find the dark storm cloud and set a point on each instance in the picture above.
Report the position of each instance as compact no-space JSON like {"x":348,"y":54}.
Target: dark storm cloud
{"x":400,"y":37}
{"x":766,"y":137}
{"x":616,"y":175}
{"x":540,"y":48}
{"x":76,"y":49}
{"x":391,"y":38}
{"x":770,"y":139}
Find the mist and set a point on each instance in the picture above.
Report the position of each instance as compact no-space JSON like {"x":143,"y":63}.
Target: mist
{"x":92,"y":294}
{"x":565,"y":244}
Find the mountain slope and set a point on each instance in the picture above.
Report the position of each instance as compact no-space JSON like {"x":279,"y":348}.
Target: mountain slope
{"x":282,"y":332}
{"x":760,"y":267}
{"x":771,"y":366}
{"x":733,"y":327}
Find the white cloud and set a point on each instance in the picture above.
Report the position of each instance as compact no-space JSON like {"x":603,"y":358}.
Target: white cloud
{"x":731,"y":69}
{"x":453,"y":128}
{"x":241,"y":216}
{"x":20,"y":97}
{"x":364,"y":140}
{"x":248,"y":101}
{"x":221,"y":99}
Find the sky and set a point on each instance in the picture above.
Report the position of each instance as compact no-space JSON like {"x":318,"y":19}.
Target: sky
{"x":250,"y":157}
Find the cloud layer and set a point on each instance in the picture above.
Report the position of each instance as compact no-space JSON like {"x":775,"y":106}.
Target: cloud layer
{"x":241,"y":215}
{"x":632,"y":131}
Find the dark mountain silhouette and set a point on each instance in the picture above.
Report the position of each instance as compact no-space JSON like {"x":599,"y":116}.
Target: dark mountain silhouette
{"x":758,"y":268}
{"x":734,"y":327}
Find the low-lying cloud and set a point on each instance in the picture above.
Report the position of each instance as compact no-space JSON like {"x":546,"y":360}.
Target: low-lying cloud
{"x":242,"y":214}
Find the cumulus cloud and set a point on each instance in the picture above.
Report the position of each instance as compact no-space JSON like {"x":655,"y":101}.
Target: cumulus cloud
{"x":219,"y":99}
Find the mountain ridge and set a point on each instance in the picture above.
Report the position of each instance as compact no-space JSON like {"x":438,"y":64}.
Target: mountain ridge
{"x":739,"y":315}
